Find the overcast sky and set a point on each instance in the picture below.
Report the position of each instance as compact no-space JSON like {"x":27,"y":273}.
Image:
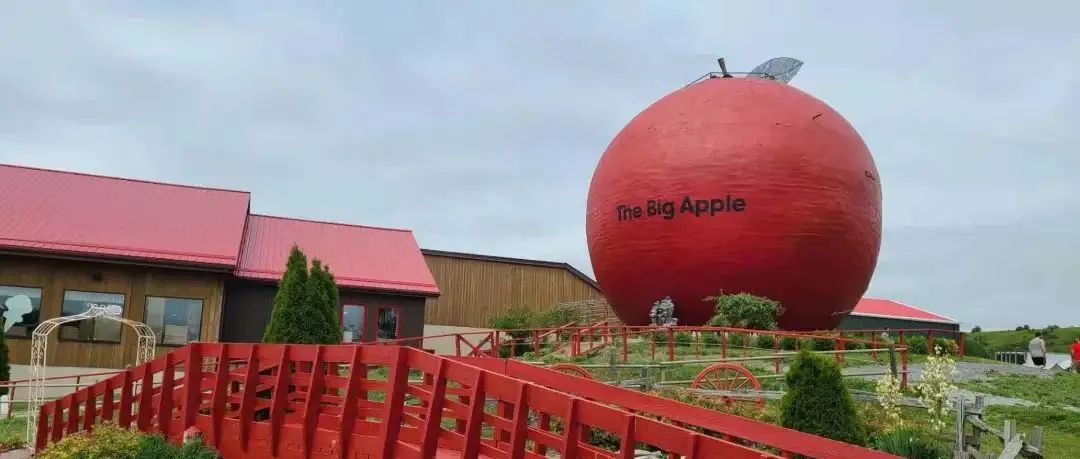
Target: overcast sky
{"x":478,"y":124}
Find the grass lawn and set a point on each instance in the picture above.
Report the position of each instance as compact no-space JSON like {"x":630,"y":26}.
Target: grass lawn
{"x":1061,"y":436}
{"x":1057,"y":340}
{"x":12,"y":433}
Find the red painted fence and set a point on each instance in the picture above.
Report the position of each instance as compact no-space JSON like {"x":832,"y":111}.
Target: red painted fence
{"x":358,"y":401}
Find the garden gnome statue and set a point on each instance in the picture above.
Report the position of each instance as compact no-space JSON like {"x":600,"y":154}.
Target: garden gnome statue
{"x":663,"y":313}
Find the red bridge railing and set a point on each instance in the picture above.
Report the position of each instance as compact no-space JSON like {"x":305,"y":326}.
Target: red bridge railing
{"x":363,"y":401}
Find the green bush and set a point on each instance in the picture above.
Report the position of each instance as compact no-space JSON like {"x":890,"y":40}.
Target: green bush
{"x":514,"y":319}
{"x":710,"y":339}
{"x":684,"y":338}
{"x":916,"y":344}
{"x":660,"y":337}
{"x":817,"y":401}
{"x":824,"y":344}
{"x":909,"y":443}
{"x":789,"y":343}
{"x":107,"y":441}
{"x":766,"y":341}
{"x":5,"y":367}
{"x":949,"y":346}
{"x":854,"y":345}
{"x":975,"y":348}
{"x":744,"y":311}
{"x":737,"y":340}
{"x":806,"y":343}
{"x":557,"y":316}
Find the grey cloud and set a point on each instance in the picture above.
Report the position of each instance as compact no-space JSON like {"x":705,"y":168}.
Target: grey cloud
{"x":478,"y":125}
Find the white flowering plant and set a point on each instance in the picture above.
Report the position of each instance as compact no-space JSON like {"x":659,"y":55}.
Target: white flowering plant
{"x":888,"y":395}
{"x":934,"y":386}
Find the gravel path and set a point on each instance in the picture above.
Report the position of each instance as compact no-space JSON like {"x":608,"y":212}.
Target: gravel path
{"x":969,"y":371}
{"x":965,"y":371}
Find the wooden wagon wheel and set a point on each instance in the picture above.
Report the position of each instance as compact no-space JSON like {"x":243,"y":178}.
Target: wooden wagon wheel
{"x":729,"y":376}
{"x":571,"y":369}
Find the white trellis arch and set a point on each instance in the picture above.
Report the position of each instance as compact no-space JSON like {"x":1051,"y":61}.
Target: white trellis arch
{"x":39,"y":350}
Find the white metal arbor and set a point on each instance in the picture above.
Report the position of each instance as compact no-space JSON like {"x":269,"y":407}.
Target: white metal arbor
{"x":39,"y":350}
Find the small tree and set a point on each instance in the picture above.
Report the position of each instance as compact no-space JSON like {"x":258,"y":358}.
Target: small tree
{"x":934,"y":386}
{"x":297,"y":318}
{"x":745,"y":311}
{"x":976,"y":329}
{"x":817,"y":401}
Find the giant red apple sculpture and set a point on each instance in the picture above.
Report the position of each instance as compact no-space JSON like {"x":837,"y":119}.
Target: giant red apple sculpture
{"x":735,"y":185}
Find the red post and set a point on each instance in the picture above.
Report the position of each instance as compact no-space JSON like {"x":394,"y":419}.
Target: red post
{"x":903,"y":366}
{"x":723,"y":345}
{"x":671,"y":343}
{"x":625,"y":346}
{"x":776,"y":351}
{"x":840,"y":348}
{"x":873,"y":345}
{"x":930,"y":342}
{"x":959,"y":344}
{"x":536,"y":342}
{"x":11,"y":412}
{"x":457,"y":345}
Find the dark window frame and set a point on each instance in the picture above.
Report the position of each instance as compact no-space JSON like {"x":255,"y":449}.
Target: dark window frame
{"x":161,"y":343}
{"x":398,"y":310}
{"x":41,"y":304}
{"x":341,"y":321}
{"x":60,"y":335}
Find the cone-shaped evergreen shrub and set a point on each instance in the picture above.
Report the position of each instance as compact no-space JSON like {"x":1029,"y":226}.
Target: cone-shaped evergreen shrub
{"x":817,"y":402}
{"x":5,"y":367}
{"x":300,"y":309}
{"x":323,"y":294}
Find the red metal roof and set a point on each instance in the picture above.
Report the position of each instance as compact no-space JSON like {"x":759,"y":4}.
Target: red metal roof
{"x":359,"y":256}
{"x":873,"y":307}
{"x":74,"y":213}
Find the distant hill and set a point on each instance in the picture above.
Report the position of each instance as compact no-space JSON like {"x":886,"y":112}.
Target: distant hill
{"x":1057,"y":340}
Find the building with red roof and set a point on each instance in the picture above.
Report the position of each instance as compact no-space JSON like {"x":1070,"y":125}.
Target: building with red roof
{"x":191,"y":262}
{"x":381,"y":274}
{"x":877,"y":314}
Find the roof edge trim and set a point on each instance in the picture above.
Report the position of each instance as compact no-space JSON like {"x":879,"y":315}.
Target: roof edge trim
{"x":126,"y":179}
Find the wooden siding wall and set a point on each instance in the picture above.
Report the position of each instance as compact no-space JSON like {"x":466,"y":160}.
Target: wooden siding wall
{"x":54,"y":276}
{"x":475,"y":290}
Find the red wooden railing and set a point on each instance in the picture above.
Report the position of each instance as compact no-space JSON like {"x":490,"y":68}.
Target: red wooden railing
{"x":728,"y":426}
{"x":361,"y":401}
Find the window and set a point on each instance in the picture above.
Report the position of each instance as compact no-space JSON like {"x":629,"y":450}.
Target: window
{"x":388,"y":323}
{"x":352,"y":323}
{"x":22,"y":310}
{"x":175,"y":321}
{"x":96,"y":329}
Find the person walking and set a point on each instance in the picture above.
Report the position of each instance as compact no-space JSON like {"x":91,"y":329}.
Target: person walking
{"x":1076,"y":355}
{"x":1037,"y":350}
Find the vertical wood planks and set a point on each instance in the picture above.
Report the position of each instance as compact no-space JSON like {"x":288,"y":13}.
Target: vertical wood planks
{"x":433,"y":419}
{"x":126,"y":398}
{"x":475,"y":419}
{"x":146,"y":399}
{"x":278,"y":398}
{"x":218,"y":394}
{"x":314,"y":400}
{"x":193,"y":370}
{"x":247,"y":400}
{"x":165,"y":401}
{"x":357,"y":373}
{"x":394,"y":403}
